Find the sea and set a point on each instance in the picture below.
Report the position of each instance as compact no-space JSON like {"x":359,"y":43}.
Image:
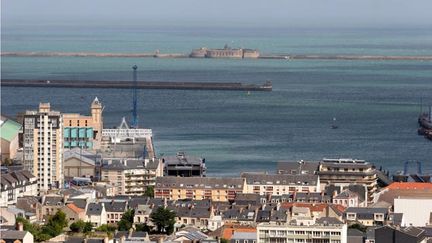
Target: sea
{"x":376,"y":103}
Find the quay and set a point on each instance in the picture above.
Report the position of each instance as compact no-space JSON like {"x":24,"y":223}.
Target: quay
{"x":267,"y":86}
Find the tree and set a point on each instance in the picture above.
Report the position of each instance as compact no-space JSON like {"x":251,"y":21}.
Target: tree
{"x":54,"y":227}
{"x":164,"y":219}
{"x":358,"y":226}
{"x":87,"y":227}
{"x":223,"y":240}
{"x":149,"y":192}
{"x":106,"y":228}
{"x":126,"y":221}
{"x":143,"y":227}
{"x":81,"y":227}
{"x":56,"y":224}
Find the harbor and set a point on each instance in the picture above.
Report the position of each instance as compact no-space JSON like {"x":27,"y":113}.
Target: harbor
{"x":267,"y":86}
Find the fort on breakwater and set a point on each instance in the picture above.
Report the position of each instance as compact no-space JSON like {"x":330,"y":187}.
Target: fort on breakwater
{"x":226,"y":52}
{"x":267,"y":86}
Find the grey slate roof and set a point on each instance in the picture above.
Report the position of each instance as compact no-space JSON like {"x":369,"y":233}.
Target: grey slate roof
{"x":12,"y":235}
{"x":115,"y":206}
{"x":310,"y":197}
{"x":182,"y":158}
{"x":297,"y":167}
{"x":355,"y":232}
{"x":53,"y":201}
{"x":79,"y":154}
{"x":94,"y":209}
{"x":136,"y":201}
{"x":365,"y":213}
{"x":328,"y":221}
{"x":199,"y":182}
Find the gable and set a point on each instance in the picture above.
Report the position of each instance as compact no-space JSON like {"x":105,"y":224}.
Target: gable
{"x":72,"y":162}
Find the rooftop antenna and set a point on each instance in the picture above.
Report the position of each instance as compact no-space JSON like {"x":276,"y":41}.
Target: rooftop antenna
{"x":134,"y":122}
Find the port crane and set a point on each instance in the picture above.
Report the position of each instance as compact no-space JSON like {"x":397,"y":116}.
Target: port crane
{"x":134,"y":122}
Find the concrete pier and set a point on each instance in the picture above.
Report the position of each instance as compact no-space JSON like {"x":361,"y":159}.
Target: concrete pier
{"x":129,"y":84}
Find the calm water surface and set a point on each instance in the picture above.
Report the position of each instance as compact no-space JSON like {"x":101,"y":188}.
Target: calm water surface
{"x":376,"y":103}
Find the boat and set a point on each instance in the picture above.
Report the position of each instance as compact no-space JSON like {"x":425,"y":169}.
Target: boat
{"x":425,"y":123}
{"x":334,"y":125}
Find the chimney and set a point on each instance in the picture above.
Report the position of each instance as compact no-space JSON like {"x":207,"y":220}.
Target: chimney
{"x":106,"y":239}
{"x":130,"y":232}
{"x":160,"y":240}
{"x":19,"y":226}
{"x":122,"y":239}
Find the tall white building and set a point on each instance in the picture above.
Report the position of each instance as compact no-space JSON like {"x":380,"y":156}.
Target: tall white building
{"x":43,"y":146}
{"x":325,"y":230}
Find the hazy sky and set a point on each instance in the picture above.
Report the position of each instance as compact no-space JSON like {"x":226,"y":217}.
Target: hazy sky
{"x":277,"y":13}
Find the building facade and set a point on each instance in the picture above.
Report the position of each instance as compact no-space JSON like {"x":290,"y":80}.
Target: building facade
{"x":15,"y":185}
{"x":84,"y":131}
{"x":198,"y":188}
{"x":343,"y":172}
{"x":183,"y":165}
{"x":131,"y":176}
{"x":43,"y":146}
{"x":280,"y":184}
{"x":293,"y":233}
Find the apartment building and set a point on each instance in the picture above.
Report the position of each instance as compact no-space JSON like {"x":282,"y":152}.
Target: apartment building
{"x":325,"y":230}
{"x":280,"y":184}
{"x":43,"y":146}
{"x":343,"y":172}
{"x":198,"y":188}
{"x":131,"y":176}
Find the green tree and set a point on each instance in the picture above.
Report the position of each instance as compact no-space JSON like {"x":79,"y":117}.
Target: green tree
{"x":55,"y":224}
{"x":106,"y":228}
{"x":81,"y":227}
{"x":164,"y":219}
{"x":358,"y":226}
{"x":223,"y":240}
{"x":87,"y":227}
{"x":149,"y":192}
{"x":143,"y":227}
{"x":126,"y":221}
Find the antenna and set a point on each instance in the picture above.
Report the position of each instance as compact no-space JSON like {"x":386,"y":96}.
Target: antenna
{"x":134,"y":122}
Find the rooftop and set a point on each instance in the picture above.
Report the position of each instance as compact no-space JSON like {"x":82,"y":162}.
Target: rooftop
{"x":283,"y":179}
{"x":182,"y":158}
{"x":9,"y":129}
{"x":410,"y":186}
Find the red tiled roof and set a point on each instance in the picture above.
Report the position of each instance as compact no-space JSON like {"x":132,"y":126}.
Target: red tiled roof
{"x":74,"y":208}
{"x":410,"y":186}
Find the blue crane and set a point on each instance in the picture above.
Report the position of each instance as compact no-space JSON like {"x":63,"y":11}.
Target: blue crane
{"x":134,"y":122}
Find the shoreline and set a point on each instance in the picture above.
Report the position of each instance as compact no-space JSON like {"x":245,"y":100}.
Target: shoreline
{"x":182,"y":55}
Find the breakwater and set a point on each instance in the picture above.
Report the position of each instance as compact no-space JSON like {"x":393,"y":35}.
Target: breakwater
{"x":181,"y":55}
{"x":140,"y":85}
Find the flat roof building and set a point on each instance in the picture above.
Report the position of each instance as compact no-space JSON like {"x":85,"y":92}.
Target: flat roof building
{"x":184,"y":165}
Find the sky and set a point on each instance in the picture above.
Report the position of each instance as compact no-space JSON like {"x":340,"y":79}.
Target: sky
{"x":268,"y":13}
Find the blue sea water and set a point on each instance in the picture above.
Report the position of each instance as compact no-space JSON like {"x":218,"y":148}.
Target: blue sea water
{"x":376,"y":103}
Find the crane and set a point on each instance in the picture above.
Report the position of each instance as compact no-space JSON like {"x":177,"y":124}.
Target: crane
{"x":134,"y":122}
